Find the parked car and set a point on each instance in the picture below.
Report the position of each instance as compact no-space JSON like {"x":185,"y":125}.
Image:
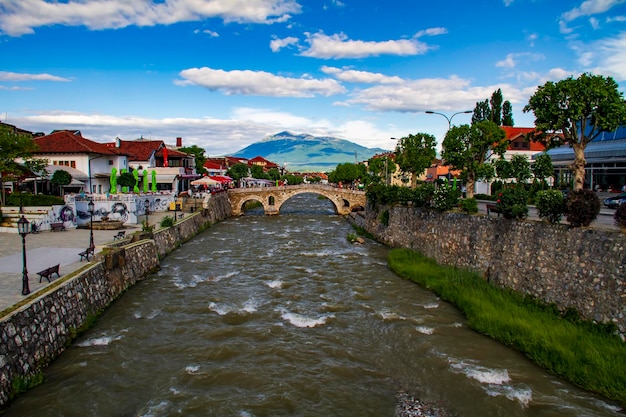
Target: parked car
{"x":615,"y":201}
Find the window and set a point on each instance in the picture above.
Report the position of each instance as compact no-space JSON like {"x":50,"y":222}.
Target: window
{"x":110,"y":162}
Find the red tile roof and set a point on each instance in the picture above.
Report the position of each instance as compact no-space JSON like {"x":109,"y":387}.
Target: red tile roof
{"x":139,"y":150}
{"x":66,"y":141}
{"x":513,"y":133}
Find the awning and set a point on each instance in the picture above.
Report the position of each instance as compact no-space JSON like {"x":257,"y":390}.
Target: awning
{"x":205,"y":181}
{"x":165,"y":179}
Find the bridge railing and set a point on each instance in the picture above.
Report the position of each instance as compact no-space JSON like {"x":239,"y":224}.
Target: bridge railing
{"x":294,"y":187}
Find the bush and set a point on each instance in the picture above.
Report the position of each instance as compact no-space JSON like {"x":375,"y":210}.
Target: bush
{"x":550,"y":205}
{"x":167,"y":221}
{"x":446,"y":198}
{"x":582,"y":207}
{"x":485,"y":197}
{"x":423,"y":195}
{"x":511,"y":202}
{"x":469,"y":205}
{"x":31,"y":200}
{"x":620,"y":216}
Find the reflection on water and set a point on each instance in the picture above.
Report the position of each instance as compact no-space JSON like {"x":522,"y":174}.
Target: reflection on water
{"x":281,"y":316}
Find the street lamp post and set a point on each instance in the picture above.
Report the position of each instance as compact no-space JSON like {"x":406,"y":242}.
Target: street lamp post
{"x":22,"y":228}
{"x":449,"y":119}
{"x":91,"y":210}
{"x":146,"y":206}
{"x":175,"y":210}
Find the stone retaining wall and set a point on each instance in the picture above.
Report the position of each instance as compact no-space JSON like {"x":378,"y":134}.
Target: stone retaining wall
{"x":34,"y":335}
{"x":579,"y":268}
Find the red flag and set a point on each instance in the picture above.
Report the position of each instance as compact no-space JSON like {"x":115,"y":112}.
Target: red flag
{"x":165,"y":163}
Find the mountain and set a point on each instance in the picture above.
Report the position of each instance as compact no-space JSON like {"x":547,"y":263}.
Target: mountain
{"x":307,"y":153}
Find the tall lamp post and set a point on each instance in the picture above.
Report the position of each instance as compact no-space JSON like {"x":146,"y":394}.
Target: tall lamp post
{"x":449,"y":119}
{"x":22,"y":228}
{"x":146,"y":206}
{"x":91,"y":210}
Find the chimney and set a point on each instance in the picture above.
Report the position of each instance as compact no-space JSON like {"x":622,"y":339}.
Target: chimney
{"x":179,"y":142}
{"x":117,"y":142}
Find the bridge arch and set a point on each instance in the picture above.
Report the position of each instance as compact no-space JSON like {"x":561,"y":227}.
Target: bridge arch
{"x":272,"y":198}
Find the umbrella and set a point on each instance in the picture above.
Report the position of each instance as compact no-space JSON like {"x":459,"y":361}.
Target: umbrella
{"x":205,"y":181}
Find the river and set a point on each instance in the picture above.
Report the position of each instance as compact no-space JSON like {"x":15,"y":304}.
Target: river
{"x":282,"y":316}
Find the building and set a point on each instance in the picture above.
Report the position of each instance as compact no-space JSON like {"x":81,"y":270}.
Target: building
{"x":606,"y":162}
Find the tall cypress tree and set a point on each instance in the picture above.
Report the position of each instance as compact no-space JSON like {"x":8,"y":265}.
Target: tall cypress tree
{"x":496,"y":107}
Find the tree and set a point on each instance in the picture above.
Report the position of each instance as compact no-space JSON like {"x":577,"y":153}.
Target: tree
{"x":496,"y":110}
{"x":126,"y":179}
{"x":381,"y":168}
{"x":198,"y":154}
{"x":256,"y":171}
{"x":61,"y":178}
{"x":496,"y":107}
{"x":579,"y":110}
{"x":415,"y":153}
{"x":507,"y":114}
{"x":467,"y":148}
{"x":237,"y":171}
{"x":13,"y":146}
{"x":346,"y":173}
{"x":520,"y":168}
{"x":543,"y":168}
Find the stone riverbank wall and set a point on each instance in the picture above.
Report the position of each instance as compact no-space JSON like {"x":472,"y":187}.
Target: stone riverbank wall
{"x":579,"y":268}
{"x":32,"y":336}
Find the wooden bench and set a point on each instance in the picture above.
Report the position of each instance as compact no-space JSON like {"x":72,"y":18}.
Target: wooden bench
{"x":47,"y":273}
{"x":120,"y":235}
{"x":85,"y":254}
{"x":492,"y":207}
{"x":57,"y":227}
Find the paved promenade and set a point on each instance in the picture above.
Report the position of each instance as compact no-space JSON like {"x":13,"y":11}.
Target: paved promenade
{"x":47,"y":249}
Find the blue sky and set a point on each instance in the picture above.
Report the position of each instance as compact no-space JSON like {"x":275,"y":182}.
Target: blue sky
{"x":223,"y":74}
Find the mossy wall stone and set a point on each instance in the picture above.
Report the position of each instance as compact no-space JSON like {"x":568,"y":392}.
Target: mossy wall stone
{"x":579,"y":268}
{"x":35,"y":334}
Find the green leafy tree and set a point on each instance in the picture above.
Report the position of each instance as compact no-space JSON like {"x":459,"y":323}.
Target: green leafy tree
{"x":495,"y":109}
{"x":256,"y":171}
{"x":126,"y":179}
{"x":466,"y":148}
{"x":238,"y":171}
{"x":579,"y":110}
{"x":482,"y":111}
{"x":415,"y":153}
{"x":199,"y":156}
{"x":346,"y":173}
{"x":61,"y":178}
{"x":381,"y":168}
{"x":273,"y":174}
{"x":13,"y":145}
{"x":520,"y":168}
{"x":507,"y":114}
{"x":293,"y":179}
{"x":542,"y":168}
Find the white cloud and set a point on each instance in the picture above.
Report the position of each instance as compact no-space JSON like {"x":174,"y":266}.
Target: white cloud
{"x":354,"y":76}
{"x":18,"y":77}
{"x":431,"y":32}
{"x":339,"y":46}
{"x":586,"y":8}
{"x":606,"y":57}
{"x":507,"y":3}
{"x":258,"y":83}
{"x":22,"y":17}
{"x":278,"y":44}
{"x":512,"y":60}
{"x":209,"y":32}
{"x":443,"y":94}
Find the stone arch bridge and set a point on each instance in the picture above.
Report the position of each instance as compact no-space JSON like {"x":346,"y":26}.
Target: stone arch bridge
{"x":272,"y":198}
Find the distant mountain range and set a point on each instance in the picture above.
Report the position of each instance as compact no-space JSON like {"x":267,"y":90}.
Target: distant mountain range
{"x":307,"y":153}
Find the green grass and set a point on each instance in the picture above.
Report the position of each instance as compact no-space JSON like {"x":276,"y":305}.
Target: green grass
{"x":588,"y":355}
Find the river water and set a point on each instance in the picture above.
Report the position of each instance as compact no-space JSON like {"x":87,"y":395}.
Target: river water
{"x":282,"y":316}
